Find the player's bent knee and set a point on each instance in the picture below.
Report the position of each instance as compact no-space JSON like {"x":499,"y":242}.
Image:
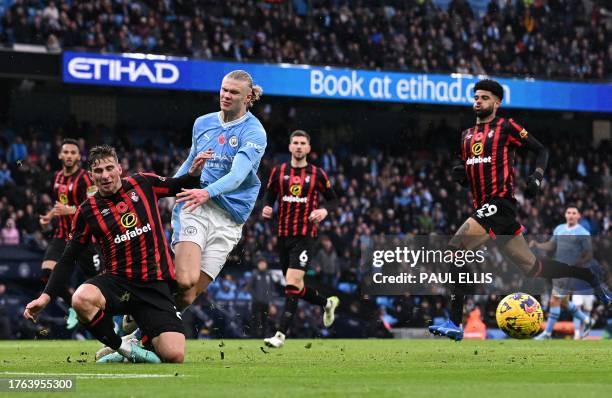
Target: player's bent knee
{"x":86,"y":297}
{"x":170,"y":346}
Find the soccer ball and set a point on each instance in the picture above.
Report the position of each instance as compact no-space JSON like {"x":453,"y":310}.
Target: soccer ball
{"x":520,"y":316}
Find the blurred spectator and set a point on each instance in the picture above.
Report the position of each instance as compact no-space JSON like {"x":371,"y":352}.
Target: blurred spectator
{"x":261,"y":287}
{"x":5,"y":175}
{"x":9,"y":235}
{"x":326,"y":262}
{"x":546,"y":38}
{"x":18,"y":152}
{"x":5,"y":323}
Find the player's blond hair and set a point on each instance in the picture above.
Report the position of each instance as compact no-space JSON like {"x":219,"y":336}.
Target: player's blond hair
{"x":242,"y":75}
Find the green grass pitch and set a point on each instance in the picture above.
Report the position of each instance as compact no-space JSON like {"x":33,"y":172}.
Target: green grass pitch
{"x":329,"y":368}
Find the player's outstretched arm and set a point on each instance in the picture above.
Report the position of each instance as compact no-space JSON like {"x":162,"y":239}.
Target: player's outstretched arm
{"x":534,"y":181}
{"x":60,"y":277}
{"x":241,"y":167}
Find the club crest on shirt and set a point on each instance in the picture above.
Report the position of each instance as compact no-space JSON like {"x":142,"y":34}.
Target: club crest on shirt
{"x":233,"y":141}
{"x":307,"y":179}
{"x":133,"y":196}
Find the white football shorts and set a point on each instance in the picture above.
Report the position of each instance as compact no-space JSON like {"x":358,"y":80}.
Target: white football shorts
{"x":211,"y":228}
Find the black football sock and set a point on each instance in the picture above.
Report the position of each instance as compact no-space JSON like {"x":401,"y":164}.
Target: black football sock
{"x":456,"y":314}
{"x":103,"y":329}
{"x":551,"y":269}
{"x":313,"y":296}
{"x":292,"y":295}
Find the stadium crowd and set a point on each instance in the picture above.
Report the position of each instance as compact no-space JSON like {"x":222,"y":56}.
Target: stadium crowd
{"x":559,"y":39}
{"x":381,"y":194}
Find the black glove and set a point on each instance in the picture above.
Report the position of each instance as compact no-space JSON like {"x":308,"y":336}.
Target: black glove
{"x":458,"y":174}
{"x":534,"y":182}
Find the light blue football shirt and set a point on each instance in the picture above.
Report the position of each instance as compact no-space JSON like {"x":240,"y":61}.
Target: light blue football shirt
{"x":571,"y":243}
{"x":245,"y":135}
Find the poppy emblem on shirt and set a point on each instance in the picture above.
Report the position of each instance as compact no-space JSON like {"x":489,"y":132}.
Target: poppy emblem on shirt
{"x":296,"y":180}
{"x":121,"y":207}
{"x":222,"y":139}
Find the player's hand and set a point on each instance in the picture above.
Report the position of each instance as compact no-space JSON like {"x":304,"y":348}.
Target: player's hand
{"x":193,"y":198}
{"x":199,"y":161}
{"x":458,"y":173}
{"x":317,"y":215}
{"x":34,"y":307}
{"x":62,"y":210}
{"x":534,"y":182}
{"x":267,"y":212}
{"x":45,"y":220}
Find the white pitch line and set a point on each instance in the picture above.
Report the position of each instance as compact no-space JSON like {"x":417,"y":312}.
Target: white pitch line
{"x":92,"y":375}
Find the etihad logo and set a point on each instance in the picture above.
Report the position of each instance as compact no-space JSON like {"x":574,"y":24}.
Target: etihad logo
{"x":129,"y":220}
{"x":478,"y":160}
{"x":133,"y":233}
{"x":121,"y":70}
{"x":294,"y":199}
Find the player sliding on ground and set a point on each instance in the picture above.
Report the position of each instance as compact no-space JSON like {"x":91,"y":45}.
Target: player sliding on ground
{"x":207,"y":220}
{"x":296,"y":185}
{"x":487,"y":154}
{"x":139,"y":275}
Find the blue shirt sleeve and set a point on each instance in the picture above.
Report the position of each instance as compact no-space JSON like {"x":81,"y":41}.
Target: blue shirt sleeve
{"x":241,"y":167}
{"x":192,"y":154}
{"x":253,"y":144}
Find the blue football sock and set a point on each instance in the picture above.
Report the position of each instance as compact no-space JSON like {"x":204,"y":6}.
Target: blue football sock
{"x":577,"y":324}
{"x":553,"y":317}
{"x":576,"y":313}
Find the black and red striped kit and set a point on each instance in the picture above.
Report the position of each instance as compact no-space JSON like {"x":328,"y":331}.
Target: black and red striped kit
{"x":487,"y":152}
{"x":297,"y":190}
{"x":129,"y":229}
{"x":70,"y":190}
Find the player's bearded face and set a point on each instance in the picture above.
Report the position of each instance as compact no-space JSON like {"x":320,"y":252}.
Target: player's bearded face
{"x":69,"y":155}
{"x":234,"y":95}
{"x":106,"y":174}
{"x":485,"y":103}
{"x":299,"y":148}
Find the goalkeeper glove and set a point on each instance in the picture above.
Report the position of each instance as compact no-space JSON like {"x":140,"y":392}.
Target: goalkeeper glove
{"x":534,"y":182}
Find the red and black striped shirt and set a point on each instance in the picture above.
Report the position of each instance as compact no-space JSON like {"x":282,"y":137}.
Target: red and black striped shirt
{"x":488,"y":151}
{"x":297,"y":190}
{"x":128,"y":227}
{"x":70,"y":190}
